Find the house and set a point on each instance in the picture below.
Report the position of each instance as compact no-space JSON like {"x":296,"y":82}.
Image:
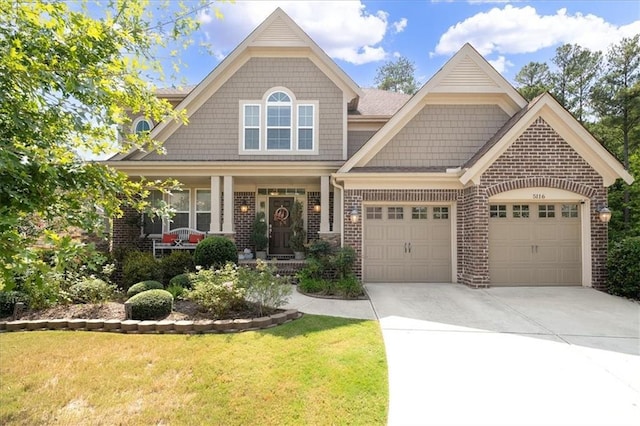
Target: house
{"x":463,"y":182}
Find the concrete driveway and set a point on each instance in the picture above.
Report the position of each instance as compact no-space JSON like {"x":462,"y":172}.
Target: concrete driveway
{"x":509,"y":356}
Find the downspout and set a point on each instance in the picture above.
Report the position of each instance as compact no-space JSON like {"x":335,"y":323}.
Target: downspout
{"x":334,"y":182}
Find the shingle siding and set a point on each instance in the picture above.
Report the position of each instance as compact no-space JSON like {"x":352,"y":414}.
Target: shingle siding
{"x":356,"y":139}
{"x":213,"y":130}
{"x":441,"y":135}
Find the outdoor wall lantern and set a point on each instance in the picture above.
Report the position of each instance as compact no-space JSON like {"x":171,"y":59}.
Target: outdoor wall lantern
{"x":244,"y":207}
{"x":355,"y":216}
{"x":604,"y":214}
{"x":317,"y":208}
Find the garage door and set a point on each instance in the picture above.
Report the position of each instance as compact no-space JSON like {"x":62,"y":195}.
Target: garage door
{"x":534,"y":244}
{"x":407,"y":243}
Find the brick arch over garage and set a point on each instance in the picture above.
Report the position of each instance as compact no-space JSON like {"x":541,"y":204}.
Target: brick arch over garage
{"x":546,"y":182}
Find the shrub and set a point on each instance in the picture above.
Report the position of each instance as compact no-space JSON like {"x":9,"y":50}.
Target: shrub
{"x":311,"y":285}
{"x":264,"y":287}
{"x":218,"y":291}
{"x":91,"y":291}
{"x":151,"y":304}
{"x":176,"y":291}
{"x":182,"y":280}
{"x":349,"y":286}
{"x":259,"y":232}
{"x":178,"y":262}
{"x":215,"y":252}
{"x":8,"y":300}
{"x":320,"y":249}
{"x":624,"y":268}
{"x":139,"y":266}
{"x":144,"y":286}
{"x":343,"y":261}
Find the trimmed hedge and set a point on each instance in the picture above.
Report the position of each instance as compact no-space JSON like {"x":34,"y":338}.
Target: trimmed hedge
{"x":624,"y":268}
{"x":91,"y":291}
{"x":215,"y":252}
{"x":144,"y":286}
{"x":151,"y":304}
{"x":182,"y":280}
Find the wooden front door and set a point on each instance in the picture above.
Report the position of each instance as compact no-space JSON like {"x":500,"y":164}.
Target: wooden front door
{"x":280,"y":225}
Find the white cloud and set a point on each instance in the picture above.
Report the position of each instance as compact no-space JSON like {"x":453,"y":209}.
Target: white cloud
{"x":500,"y":64}
{"x":400,"y":25}
{"x":512,"y":30}
{"x":344,"y":29}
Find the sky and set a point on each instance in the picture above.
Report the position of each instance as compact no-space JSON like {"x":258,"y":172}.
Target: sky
{"x":362,"y":35}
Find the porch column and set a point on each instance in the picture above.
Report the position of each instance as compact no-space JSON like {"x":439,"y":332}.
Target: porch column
{"x":227,"y":220}
{"x":337,"y":210}
{"x":214,"y":227}
{"x":324,"y":202}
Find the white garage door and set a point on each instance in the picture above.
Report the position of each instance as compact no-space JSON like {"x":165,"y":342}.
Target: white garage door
{"x":534,"y":244}
{"x":407,"y":243}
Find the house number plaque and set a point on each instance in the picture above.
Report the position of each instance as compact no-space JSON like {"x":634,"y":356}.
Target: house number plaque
{"x":539,"y":196}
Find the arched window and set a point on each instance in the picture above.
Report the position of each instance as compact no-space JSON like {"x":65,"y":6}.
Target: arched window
{"x":142,"y":125}
{"x":279,"y":121}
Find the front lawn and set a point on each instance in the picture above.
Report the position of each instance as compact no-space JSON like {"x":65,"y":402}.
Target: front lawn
{"x":316,"y":370}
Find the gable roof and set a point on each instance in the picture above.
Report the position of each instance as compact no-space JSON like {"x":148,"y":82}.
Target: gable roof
{"x":278,"y":34}
{"x":547,"y":107}
{"x":466,"y":73}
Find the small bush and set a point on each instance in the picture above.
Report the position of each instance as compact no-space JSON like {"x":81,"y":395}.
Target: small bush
{"x":218,"y":291}
{"x":176,"y":290}
{"x":144,"y":286}
{"x":8,"y":300}
{"x":311,"y":285}
{"x":349,"y":286}
{"x":215,"y":252}
{"x":624,"y":268}
{"x":343,"y":261}
{"x":178,"y":262}
{"x":182,"y":280}
{"x":151,"y":304}
{"x":264,"y":287}
{"x":139,"y":266}
{"x":91,"y":291}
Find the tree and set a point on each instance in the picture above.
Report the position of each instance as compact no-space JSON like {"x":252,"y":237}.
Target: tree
{"x":397,"y":76}
{"x":616,"y":100}
{"x":533,"y":79}
{"x":576,"y":73}
{"x":68,"y":81}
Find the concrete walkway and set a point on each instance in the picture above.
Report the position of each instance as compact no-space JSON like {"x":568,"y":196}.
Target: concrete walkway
{"x":502,"y":356}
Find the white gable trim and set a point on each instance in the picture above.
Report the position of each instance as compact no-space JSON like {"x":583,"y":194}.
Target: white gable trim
{"x":466,"y":76}
{"x":568,"y":128}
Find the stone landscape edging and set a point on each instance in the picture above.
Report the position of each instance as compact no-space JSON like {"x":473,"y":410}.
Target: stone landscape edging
{"x":153,"y":327}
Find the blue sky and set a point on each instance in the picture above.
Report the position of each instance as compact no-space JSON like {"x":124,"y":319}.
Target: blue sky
{"x":361,"y":35}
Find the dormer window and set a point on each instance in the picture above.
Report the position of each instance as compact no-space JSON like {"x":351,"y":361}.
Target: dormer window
{"x":278,"y":124}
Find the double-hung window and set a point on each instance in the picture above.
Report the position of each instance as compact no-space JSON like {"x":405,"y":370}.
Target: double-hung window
{"x":279,"y":124}
{"x":153,"y":224}
{"x":203,"y":209}
{"x":179,"y":202}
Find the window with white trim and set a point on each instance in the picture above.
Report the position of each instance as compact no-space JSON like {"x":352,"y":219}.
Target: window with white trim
{"x":141,"y":124}
{"x":203,"y":209}
{"x":251,"y":134}
{"x":279,"y":124}
{"x":179,"y":201}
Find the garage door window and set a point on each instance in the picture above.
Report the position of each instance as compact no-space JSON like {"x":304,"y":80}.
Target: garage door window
{"x":498,"y":210}
{"x":569,"y":210}
{"x":419,"y":213}
{"x":520,"y":211}
{"x":395,"y":213}
{"x":374,"y":212}
{"x":441,"y":212}
{"x":546,"y":210}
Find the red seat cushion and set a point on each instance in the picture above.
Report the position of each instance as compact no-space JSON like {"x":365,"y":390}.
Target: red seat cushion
{"x":195,"y":238}
{"x":169,"y":238}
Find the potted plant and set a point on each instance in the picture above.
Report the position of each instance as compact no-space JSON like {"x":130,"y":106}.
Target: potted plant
{"x":259,"y":235}
{"x":298,"y":234}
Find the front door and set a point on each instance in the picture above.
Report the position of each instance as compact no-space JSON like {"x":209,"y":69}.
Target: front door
{"x":280,"y":225}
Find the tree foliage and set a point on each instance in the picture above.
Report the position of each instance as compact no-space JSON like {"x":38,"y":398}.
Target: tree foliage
{"x":68,"y":82}
{"x":397,"y":76}
{"x":533,"y":79}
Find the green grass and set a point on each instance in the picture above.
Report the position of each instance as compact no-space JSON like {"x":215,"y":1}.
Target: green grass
{"x":316,"y":370}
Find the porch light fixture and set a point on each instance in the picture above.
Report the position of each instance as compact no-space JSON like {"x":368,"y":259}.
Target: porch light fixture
{"x":317,"y":208}
{"x":604,"y":214}
{"x":244,"y":207}
{"x":354,"y":216}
